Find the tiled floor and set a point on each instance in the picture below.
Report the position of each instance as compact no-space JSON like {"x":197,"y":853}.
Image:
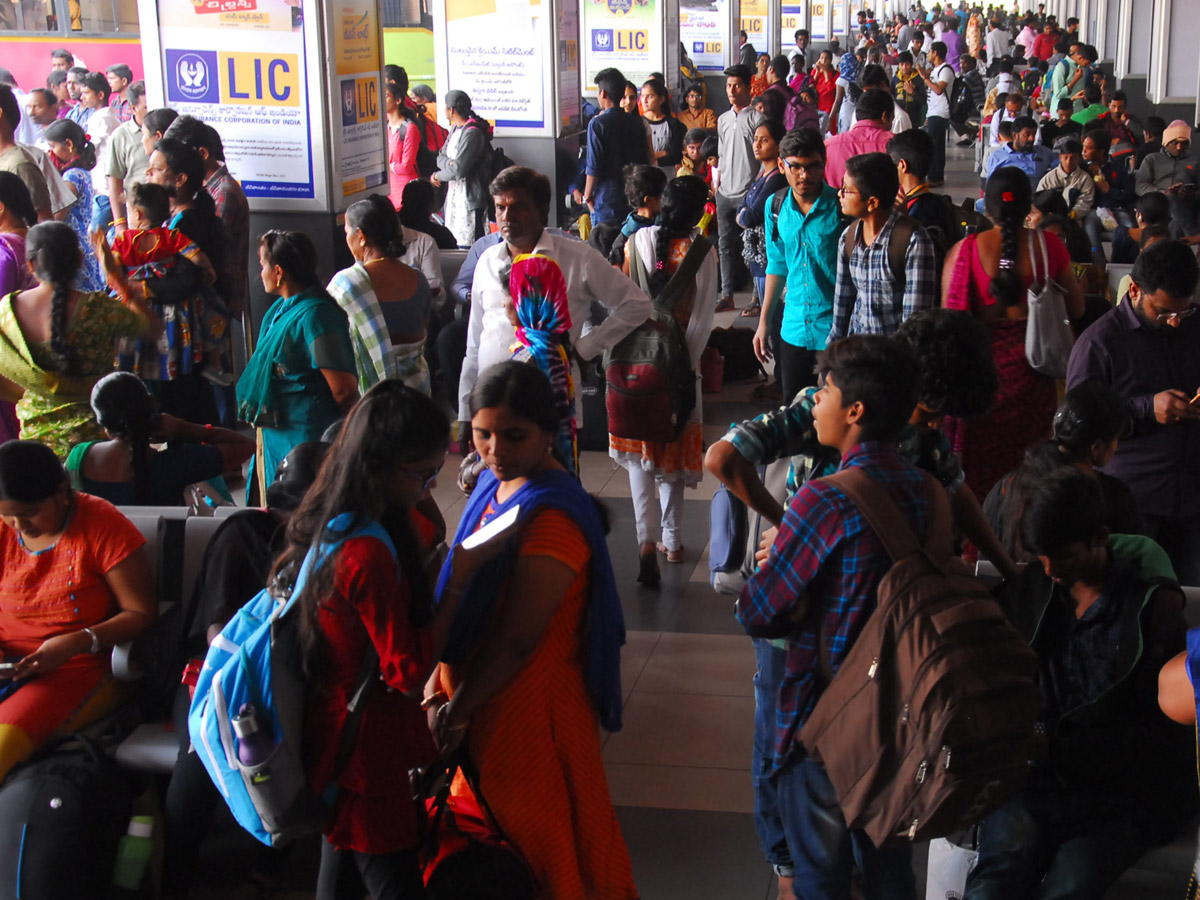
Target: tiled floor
{"x":679,"y":770}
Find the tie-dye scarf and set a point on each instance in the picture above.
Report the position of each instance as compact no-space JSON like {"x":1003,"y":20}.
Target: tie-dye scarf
{"x":539,"y":295}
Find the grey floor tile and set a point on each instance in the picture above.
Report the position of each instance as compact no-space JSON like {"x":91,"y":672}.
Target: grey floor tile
{"x":680,"y":787}
{"x":684,"y":855}
{"x":684,"y":730}
{"x":706,"y":664}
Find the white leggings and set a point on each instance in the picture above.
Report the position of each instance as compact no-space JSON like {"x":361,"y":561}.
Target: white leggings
{"x":670,"y":498}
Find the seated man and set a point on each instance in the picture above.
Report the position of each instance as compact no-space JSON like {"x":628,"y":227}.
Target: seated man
{"x":1070,"y":178}
{"x":1115,"y":777}
{"x":1175,"y":171}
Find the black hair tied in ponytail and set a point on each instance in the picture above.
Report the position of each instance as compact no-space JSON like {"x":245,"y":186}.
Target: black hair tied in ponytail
{"x":53,"y":249}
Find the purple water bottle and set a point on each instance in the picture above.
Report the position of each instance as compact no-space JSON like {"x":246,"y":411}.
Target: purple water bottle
{"x":255,"y":744}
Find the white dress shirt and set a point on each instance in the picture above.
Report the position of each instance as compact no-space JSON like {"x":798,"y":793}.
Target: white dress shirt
{"x":589,"y":277}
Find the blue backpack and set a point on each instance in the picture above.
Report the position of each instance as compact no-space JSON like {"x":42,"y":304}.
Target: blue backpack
{"x":256,"y":659}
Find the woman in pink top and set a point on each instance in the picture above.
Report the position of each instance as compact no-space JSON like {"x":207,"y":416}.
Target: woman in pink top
{"x":404,"y":137}
{"x":989,"y":274}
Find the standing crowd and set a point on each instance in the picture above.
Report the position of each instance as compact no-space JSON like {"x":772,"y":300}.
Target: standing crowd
{"x":967,"y":362}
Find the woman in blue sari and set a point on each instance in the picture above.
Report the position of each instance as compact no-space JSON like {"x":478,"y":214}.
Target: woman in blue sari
{"x":302,"y":377}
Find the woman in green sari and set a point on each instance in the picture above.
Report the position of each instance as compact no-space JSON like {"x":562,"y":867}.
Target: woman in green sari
{"x":301,"y":378}
{"x":57,"y":342}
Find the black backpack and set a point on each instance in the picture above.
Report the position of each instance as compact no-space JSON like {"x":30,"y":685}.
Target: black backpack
{"x":64,"y":813}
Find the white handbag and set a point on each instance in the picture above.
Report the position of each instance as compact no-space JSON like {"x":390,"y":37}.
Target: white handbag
{"x":1048,"y":335}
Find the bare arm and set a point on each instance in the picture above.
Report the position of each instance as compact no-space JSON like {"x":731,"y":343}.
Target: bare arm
{"x":1176,"y":696}
{"x":343,"y":386}
{"x":741,"y":477}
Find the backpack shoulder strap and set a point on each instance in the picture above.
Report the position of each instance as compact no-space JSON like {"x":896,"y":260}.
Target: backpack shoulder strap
{"x":887,"y":520}
{"x":850,"y":240}
{"x":74,"y":464}
{"x":637,"y":268}
{"x":684,"y":277}
{"x":777,"y":206}
{"x":901,"y":236}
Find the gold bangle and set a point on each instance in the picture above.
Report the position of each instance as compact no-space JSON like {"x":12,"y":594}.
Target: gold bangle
{"x":120,"y":221}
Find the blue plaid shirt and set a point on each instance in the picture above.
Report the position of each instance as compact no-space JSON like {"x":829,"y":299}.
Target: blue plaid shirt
{"x":867,"y":299}
{"x":826,"y":549}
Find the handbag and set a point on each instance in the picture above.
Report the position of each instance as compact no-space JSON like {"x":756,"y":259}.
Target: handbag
{"x":465,"y":852}
{"x":1048,"y":335}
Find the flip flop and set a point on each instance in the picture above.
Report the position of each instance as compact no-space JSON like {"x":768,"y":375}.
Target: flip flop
{"x":725,"y":304}
{"x":752,"y":311}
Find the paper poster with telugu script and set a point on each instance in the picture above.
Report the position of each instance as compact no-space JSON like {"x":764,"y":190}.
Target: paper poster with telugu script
{"x":704,"y":31}
{"x":253,"y":91}
{"x":255,"y":15}
{"x":363,"y":155}
{"x":791,"y":19}
{"x":496,"y":55}
{"x":622,"y":33}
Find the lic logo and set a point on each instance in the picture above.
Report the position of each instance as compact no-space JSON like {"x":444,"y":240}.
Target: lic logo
{"x":602,"y":40}
{"x":192,"y":76}
{"x":192,"y":73}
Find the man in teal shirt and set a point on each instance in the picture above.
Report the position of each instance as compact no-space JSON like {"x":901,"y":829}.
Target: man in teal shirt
{"x":802,"y":230}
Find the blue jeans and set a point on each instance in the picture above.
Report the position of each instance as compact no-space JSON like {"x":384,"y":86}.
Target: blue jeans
{"x":1056,"y":844}
{"x":771,"y":663}
{"x":1094,"y":229}
{"x":824,"y":849}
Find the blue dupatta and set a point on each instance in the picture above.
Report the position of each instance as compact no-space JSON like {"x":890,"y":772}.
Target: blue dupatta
{"x":605,"y":619}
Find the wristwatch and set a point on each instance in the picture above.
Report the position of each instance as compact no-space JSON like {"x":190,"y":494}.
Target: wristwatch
{"x":95,"y":648}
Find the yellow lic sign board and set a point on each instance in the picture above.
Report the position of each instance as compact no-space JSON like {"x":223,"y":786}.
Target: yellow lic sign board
{"x":259,"y":79}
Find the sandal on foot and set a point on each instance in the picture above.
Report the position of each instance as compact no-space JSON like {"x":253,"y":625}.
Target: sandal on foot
{"x":673,"y":556}
{"x":725,"y":304}
{"x":752,"y":311}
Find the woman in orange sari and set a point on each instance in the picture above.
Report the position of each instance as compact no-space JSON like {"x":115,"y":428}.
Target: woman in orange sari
{"x":533,"y":661}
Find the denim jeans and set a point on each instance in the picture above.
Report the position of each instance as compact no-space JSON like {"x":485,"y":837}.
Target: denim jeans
{"x":771,"y":663}
{"x":824,"y":849}
{"x":936,"y":127}
{"x":1055,"y":844}
{"x":1094,"y":229}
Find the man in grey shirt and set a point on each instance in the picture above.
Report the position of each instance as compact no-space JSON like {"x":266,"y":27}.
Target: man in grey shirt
{"x":738,"y":169}
{"x":997,"y":45}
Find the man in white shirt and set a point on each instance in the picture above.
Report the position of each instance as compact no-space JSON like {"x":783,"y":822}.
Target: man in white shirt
{"x":997,"y":44}
{"x":522,"y":199}
{"x":939,"y":79}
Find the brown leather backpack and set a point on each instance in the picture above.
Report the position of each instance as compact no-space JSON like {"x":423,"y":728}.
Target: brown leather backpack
{"x":929,"y":722}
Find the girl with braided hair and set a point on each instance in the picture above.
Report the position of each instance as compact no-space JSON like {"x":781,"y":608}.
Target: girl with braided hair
{"x":55,"y":341}
{"x":990,"y":274}
{"x":660,"y":250}
{"x":126,"y":469}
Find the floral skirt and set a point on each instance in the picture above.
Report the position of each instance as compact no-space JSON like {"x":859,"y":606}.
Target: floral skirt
{"x":680,"y":460}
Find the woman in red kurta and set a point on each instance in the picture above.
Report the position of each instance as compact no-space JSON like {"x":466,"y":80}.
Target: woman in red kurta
{"x":372,"y":591}
{"x":73,"y":582}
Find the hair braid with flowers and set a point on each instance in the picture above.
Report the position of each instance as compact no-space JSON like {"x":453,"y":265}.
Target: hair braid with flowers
{"x":1007,"y":199}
